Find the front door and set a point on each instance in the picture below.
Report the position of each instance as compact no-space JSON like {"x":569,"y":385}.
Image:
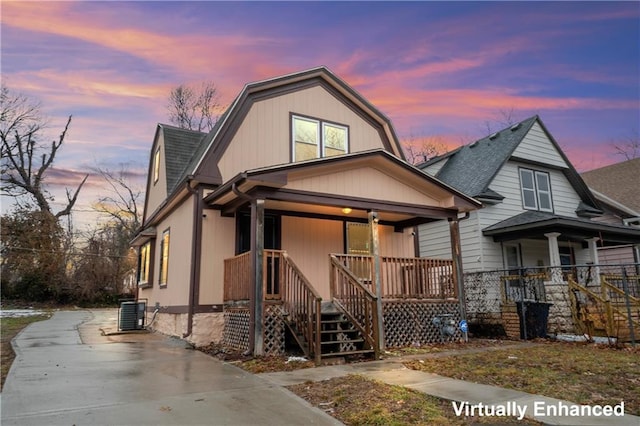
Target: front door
{"x":358,"y":243}
{"x":272,"y":231}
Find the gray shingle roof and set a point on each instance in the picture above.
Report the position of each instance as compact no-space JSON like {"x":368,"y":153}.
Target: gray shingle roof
{"x":472,"y":167}
{"x":180,"y":146}
{"x":535,"y":223}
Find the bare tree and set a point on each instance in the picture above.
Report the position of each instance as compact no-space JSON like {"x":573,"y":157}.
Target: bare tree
{"x":502,"y":119}
{"x":194,"y":109}
{"x":122,"y":203}
{"x":628,"y":146}
{"x":24,"y":158}
{"x":419,"y":149}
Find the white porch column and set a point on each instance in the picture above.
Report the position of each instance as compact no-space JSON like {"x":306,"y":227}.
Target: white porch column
{"x":593,"y":249}
{"x":593,"y":254}
{"x":554,"y":251}
{"x":554,"y":257}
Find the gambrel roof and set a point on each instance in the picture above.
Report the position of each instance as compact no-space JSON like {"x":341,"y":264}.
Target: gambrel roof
{"x":197,"y":154}
{"x":472,"y":168}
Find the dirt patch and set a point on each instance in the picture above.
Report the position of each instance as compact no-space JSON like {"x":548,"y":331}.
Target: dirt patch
{"x":256,"y":365}
{"x":355,"y":400}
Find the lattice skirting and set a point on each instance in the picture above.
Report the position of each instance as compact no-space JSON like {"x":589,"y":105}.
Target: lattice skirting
{"x":409,"y":322}
{"x":273,"y":330}
{"x":236,"y":327}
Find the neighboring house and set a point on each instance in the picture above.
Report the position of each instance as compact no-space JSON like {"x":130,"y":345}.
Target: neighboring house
{"x":300,"y":195}
{"x":617,"y":189}
{"x":537,"y":213}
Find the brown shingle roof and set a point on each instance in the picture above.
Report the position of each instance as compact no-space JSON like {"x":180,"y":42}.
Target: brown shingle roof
{"x":620,"y":182}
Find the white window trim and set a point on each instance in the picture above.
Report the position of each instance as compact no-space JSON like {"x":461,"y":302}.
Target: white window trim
{"x":536,"y":190}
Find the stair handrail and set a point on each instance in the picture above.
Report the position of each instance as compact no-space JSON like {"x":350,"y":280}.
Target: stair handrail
{"x":609,"y":309}
{"x":301,"y":302}
{"x":611,"y":287}
{"x":356,"y":301}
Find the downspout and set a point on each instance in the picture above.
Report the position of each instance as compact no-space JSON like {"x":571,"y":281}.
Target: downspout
{"x":196,"y":246}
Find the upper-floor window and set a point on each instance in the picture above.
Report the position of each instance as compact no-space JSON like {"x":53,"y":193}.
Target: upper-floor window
{"x":164,"y":258}
{"x":156,"y":165}
{"x":536,"y":190}
{"x":312,"y":138}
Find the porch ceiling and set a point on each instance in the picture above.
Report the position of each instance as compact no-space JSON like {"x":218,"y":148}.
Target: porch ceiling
{"x":331,"y":206}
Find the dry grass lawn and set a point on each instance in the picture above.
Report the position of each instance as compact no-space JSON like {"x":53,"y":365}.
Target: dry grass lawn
{"x":578,"y":372}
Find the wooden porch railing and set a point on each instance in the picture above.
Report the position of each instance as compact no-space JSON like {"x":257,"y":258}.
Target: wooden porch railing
{"x":284,"y":280}
{"x":237,"y":277}
{"x":605,"y":311}
{"x":405,"y":278}
{"x":357,"y":301}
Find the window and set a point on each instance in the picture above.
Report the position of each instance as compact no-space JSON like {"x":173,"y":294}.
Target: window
{"x":144,"y":263}
{"x":536,"y":190}
{"x":156,"y":166}
{"x":164,"y":258}
{"x":315,"y":138}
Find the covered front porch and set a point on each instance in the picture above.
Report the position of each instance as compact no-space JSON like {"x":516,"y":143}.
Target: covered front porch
{"x":327,"y":250}
{"x":381,"y":302}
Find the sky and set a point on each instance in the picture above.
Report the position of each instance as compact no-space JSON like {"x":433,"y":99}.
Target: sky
{"x":449,"y":71}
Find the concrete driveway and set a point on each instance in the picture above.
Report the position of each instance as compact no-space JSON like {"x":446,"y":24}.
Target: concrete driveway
{"x":67,"y":373}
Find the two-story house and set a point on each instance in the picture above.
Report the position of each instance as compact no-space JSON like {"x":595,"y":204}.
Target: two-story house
{"x":536,"y":220}
{"x":299,"y":196}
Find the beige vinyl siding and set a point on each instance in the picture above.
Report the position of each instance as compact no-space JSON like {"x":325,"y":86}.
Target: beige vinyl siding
{"x":264,"y":137}
{"x":218,"y":243}
{"x":157,"y":191}
{"x":177,"y":289}
{"x":536,"y":146}
{"x":396,"y":244}
{"x":366,"y":182}
{"x":309,"y":243}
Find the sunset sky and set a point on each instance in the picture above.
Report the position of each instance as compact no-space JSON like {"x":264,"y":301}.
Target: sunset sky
{"x":439,"y":69}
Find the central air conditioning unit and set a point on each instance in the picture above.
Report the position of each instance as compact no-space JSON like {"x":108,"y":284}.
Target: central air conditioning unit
{"x":131,"y":315}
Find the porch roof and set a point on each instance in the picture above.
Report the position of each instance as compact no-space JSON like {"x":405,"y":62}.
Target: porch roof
{"x":534,"y":224}
{"x":274,"y":185}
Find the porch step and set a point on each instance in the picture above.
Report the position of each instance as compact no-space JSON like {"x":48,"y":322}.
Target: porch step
{"x":347,"y":353}
{"x":338,"y":336}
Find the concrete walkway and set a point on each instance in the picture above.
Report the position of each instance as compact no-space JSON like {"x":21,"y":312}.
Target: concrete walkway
{"x":477,"y":396}
{"x":67,"y":373}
